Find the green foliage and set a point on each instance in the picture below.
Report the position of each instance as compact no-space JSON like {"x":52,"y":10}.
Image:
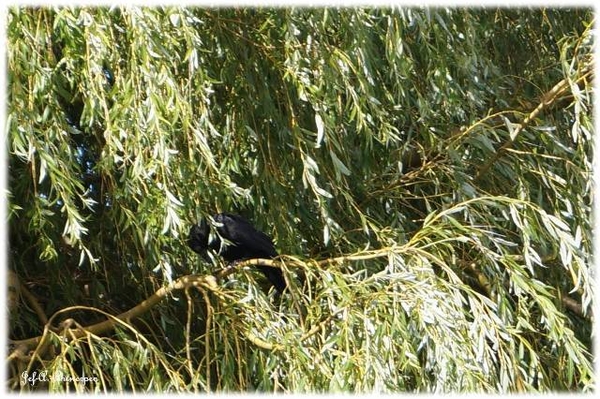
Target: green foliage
{"x":426,"y":172}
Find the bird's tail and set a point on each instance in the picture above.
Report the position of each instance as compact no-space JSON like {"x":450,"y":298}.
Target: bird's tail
{"x":275,"y":276}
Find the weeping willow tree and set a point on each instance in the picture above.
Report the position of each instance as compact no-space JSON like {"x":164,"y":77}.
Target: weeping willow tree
{"x":424,"y":173}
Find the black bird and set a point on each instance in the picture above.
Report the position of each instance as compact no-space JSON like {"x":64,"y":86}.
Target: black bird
{"x":241,"y":241}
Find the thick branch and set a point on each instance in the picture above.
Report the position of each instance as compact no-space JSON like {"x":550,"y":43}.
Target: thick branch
{"x":184,"y":282}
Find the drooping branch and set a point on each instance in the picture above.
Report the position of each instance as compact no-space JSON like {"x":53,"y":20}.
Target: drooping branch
{"x":549,"y":98}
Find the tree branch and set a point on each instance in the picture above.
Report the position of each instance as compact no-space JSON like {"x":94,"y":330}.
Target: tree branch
{"x":547,"y":100}
{"x":208,"y":282}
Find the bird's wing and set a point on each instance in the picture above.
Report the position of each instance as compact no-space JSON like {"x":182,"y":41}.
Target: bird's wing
{"x":243,"y":234}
